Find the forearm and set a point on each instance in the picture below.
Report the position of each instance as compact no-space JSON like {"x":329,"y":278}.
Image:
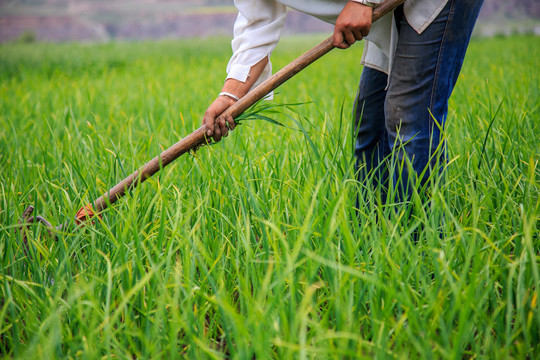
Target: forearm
{"x":256,"y":33}
{"x":241,"y":88}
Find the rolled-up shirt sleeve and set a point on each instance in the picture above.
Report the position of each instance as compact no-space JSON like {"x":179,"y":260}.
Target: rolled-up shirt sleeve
{"x":256,"y":33}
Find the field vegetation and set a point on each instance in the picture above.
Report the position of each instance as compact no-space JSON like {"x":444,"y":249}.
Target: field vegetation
{"x":256,"y":247}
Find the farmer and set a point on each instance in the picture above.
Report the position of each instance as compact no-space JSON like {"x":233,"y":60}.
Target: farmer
{"x":411,"y":60}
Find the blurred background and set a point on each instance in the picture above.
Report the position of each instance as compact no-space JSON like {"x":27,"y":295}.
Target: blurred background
{"x":108,"y":20}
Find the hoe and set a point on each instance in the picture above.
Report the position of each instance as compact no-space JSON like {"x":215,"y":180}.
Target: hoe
{"x":194,"y":140}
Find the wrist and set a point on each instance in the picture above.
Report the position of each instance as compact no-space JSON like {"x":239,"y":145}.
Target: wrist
{"x":365,"y":3}
{"x":229,"y":95}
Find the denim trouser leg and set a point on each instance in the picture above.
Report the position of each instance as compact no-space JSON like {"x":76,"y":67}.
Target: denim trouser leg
{"x":425,"y":70}
{"x":372,"y":139}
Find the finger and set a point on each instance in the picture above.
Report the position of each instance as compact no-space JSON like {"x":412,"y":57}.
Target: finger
{"x":338,"y":40}
{"x":350,"y":37}
{"x":344,"y":43}
{"x":230,"y":121}
{"x":208,"y":121}
{"x":209,"y":128}
{"x":217,"y":134}
{"x":223,"y":126}
{"x":364,"y":30}
{"x":358,"y":34}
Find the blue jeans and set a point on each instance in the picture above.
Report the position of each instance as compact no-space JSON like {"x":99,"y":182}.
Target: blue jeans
{"x":408,"y":117}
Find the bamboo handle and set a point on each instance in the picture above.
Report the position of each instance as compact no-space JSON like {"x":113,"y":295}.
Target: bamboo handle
{"x":198,"y":138}
{"x":190,"y":142}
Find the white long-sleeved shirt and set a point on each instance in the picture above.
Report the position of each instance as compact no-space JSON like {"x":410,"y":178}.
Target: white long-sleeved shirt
{"x":258,"y":28}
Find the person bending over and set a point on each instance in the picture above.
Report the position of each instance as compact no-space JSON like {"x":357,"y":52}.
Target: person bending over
{"x":412,"y":59}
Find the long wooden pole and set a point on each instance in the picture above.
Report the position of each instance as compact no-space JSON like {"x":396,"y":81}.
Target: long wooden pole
{"x":198,"y":137}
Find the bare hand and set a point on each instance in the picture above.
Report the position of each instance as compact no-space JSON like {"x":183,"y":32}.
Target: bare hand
{"x":218,"y":124}
{"x":352,"y":24}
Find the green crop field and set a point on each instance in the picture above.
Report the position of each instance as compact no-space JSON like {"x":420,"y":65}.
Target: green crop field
{"x":256,"y":247}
